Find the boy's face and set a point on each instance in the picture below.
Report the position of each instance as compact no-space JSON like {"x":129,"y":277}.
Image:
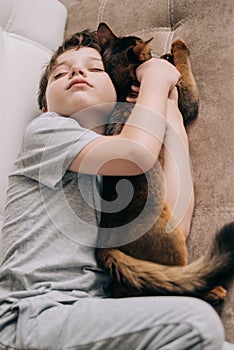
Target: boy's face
{"x":78,"y":81}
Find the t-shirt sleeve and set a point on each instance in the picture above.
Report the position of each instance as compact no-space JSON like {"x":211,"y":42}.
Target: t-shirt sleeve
{"x":50,"y":144}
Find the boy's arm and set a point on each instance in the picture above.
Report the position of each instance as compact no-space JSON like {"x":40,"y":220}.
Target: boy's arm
{"x":136,"y":148}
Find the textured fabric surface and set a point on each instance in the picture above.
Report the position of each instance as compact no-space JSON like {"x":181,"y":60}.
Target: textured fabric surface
{"x":208,"y":27}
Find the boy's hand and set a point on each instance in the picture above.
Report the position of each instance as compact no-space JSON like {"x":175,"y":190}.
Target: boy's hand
{"x":158,"y":69}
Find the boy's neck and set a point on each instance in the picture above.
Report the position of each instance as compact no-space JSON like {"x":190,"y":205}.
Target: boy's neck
{"x":94,"y":118}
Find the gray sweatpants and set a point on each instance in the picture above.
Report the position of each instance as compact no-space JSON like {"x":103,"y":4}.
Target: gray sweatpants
{"x":149,"y":323}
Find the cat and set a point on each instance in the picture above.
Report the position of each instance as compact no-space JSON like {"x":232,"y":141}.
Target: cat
{"x":156,"y":262}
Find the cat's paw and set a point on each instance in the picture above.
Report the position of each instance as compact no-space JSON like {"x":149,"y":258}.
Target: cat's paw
{"x":179,"y":45}
{"x":216,"y":296}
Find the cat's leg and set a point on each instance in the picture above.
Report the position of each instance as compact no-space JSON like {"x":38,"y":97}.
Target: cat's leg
{"x":187,"y":87}
{"x":177,"y":169}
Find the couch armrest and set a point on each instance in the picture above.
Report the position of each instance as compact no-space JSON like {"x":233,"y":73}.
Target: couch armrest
{"x":29,"y":31}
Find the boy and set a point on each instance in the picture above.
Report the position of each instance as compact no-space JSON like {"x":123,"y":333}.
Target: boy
{"x":51,"y":291}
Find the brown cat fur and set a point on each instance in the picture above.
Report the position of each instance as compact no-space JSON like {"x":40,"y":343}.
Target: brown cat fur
{"x":141,"y":267}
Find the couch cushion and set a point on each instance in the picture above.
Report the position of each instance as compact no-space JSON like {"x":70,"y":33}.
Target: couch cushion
{"x":29,"y":31}
{"x":125,"y":18}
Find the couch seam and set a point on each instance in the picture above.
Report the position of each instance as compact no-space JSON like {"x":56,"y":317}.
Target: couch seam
{"x":149,"y":30}
{"x":169,"y":12}
{"x":12,"y":16}
{"x":168,"y":43}
{"x":101,"y":9}
{"x":171,"y":15}
{"x":167,"y":47}
{"x":28,"y":40}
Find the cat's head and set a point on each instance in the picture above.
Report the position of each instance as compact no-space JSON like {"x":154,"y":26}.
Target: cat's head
{"x":121,"y":56}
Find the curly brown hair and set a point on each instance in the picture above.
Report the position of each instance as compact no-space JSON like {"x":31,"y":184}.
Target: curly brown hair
{"x":86,"y":38}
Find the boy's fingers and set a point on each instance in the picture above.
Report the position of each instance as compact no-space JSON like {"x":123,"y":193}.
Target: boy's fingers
{"x":135,"y":88}
{"x":131,"y":99}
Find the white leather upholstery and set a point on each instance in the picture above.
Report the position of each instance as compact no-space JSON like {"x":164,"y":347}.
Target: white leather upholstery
{"x":29,"y":31}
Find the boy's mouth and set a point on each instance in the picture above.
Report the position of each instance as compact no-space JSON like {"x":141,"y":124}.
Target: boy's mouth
{"x":77,"y":81}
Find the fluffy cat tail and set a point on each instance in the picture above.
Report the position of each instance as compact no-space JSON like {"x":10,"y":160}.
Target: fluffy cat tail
{"x":197,"y":279}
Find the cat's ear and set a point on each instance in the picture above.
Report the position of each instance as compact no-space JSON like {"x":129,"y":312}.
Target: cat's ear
{"x":105,"y":34}
{"x":143,"y":50}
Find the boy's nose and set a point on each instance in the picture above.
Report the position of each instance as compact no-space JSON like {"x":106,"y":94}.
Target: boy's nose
{"x":75,"y":70}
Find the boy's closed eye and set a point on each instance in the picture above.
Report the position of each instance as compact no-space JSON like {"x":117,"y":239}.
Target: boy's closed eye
{"x":59,"y":75}
{"x":93,"y":69}
{"x":96,"y":69}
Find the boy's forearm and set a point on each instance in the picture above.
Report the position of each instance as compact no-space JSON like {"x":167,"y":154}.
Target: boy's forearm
{"x":177,"y":169}
{"x":153,"y":94}
{"x":146,"y":124}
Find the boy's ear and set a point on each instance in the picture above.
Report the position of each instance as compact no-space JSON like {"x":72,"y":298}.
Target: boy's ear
{"x":43,"y":110}
{"x":105,"y":34}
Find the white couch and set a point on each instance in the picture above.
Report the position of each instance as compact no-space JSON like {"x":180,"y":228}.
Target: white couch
{"x":29,"y":31}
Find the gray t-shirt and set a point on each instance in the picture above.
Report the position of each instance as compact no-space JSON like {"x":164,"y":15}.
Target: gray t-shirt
{"x":48,"y":237}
